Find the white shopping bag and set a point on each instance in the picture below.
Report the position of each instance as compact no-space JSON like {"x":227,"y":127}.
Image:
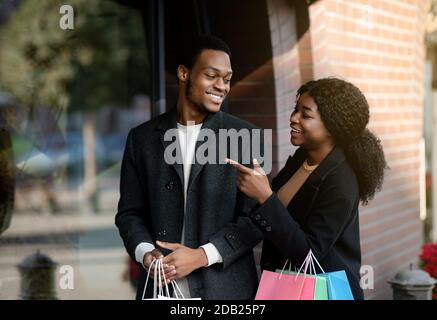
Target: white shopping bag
{"x":177,"y":294}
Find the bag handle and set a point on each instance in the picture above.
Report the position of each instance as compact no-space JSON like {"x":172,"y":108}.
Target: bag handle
{"x":309,"y":260}
{"x":162,"y":284}
{"x":177,"y":290}
{"x":157,"y":281}
{"x":305,"y":264}
{"x":318,"y":264}
{"x":289,"y":268}
{"x":282,"y":271}
{"x":147,"y":279}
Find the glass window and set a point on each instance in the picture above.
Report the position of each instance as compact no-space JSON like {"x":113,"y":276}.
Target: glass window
{"x":68,"y":98}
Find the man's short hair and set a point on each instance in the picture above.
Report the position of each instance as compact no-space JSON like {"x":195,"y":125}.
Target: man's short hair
{"x":192,"y":51}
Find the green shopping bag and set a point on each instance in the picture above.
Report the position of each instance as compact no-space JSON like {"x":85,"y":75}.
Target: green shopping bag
{"x":320,"y":288}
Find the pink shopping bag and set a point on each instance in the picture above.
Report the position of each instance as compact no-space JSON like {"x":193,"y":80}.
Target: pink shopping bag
{"x":277,"y":286}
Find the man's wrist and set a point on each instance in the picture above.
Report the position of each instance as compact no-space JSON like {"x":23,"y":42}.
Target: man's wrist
{"x":144,"y":260}
{"x":141,"y":250}
{"x":202,"y":257}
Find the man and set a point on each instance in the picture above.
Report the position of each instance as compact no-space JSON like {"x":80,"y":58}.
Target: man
{"x":191,"y":213}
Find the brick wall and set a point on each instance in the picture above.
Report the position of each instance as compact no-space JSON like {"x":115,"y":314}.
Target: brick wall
{"x":377,"y":45}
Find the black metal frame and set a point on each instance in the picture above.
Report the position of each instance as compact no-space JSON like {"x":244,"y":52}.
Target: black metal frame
{"x":157,"y":56}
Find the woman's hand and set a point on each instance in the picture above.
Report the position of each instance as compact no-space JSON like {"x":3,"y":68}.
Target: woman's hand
{"x":252,"y":182}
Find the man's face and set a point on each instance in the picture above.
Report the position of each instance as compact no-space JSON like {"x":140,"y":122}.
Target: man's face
{"x":208,"y":81}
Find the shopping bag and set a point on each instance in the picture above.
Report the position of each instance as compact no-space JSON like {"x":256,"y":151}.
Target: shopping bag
{"x":178,"y":295}
{"x":337,"y":282}
{"x":320,"y":284}
{"x":338,"y":285}
{"x":289,"y":285}
{"x":321,"y":288}
{"x":277,"y":286}
{"x":160,"y":289}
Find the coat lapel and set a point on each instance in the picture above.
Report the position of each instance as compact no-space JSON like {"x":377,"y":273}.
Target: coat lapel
{"x":331,"y":161}
{"x":168,"y":121}
{"x":213,"y":121}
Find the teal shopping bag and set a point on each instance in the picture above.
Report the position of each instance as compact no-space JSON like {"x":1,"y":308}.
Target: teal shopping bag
{"x":338,"y":285}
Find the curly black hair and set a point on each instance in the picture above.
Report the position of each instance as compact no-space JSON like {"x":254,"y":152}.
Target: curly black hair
{"x":345,"y":113}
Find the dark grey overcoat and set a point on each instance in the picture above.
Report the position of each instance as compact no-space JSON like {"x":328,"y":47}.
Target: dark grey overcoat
{"x":151,"y":208}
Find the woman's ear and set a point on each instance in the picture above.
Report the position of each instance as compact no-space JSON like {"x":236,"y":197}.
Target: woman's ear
{"x":182,"y":73}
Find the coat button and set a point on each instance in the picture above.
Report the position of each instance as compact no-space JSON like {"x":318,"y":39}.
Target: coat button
{"x":231,"y":237}
{"x":257,"y":217}
{"x":162,"y":233}
{"x":169,"y":185}
{"x":263,"y":223}
{"x":268,"y":228}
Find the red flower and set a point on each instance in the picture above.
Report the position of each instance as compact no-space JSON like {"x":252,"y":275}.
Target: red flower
{"x":429,"y":258}
{"x":429,"y":253}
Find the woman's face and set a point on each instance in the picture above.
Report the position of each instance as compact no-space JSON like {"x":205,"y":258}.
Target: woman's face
{"x":307,"y":128}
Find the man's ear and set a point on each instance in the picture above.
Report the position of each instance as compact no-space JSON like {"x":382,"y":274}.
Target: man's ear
{"x":182,"y":73}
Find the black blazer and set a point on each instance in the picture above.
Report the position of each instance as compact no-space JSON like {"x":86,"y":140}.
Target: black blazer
{"x":322,"y":216}
{"x":151,"y":208}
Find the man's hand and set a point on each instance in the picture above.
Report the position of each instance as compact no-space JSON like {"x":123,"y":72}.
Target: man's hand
{"x":185,"y":260}
{"x":155,"y":254}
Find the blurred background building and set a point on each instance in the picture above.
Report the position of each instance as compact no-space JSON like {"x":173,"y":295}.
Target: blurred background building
{"x":70,"y":97}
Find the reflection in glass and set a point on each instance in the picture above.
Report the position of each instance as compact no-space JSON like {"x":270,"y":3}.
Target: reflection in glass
{"x":69,"y":99}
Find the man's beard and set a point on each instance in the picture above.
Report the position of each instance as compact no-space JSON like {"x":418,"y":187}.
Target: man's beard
{"x":188,"y":93}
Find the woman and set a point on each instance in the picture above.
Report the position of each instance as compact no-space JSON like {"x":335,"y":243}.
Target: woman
{"x":315,"y":197}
